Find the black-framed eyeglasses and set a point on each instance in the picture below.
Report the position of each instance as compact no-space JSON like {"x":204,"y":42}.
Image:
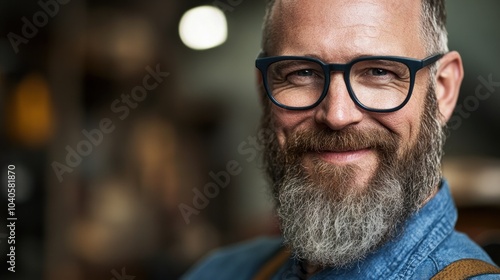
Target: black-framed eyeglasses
{"x":375,"y":83}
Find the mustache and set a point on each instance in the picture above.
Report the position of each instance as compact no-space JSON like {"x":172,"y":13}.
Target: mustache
{"x":347,"y":139}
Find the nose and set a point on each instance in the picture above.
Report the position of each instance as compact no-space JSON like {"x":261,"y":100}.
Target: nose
{"x":338,"y":110}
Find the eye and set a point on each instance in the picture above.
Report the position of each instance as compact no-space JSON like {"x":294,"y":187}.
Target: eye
{"x":302,"y":77}
{"x":294,"y":72}
{"x":378,"y":72}
{"x":380,"y":69}
{"x":304,"y":73}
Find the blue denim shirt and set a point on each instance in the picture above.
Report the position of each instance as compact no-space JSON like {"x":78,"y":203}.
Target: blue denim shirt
{"x":428,"y":244}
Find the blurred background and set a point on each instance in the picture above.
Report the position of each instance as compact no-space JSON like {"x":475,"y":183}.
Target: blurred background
{"x":134,"y":133}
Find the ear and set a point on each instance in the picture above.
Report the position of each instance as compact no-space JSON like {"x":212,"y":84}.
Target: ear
{"x":449,"y":77}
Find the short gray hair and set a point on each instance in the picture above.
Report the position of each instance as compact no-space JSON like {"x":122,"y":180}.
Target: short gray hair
{"x":433,"y":28}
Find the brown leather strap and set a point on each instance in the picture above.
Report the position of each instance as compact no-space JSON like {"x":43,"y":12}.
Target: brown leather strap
{"x":465,"y":268}
{"x":271,"y":266}
{"x":457,"y":270}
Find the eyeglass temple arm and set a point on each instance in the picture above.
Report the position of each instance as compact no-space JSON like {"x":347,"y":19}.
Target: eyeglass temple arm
{"x":428,"y":61}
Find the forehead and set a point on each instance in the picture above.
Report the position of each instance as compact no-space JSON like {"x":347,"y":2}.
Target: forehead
{"x":343,"y":29}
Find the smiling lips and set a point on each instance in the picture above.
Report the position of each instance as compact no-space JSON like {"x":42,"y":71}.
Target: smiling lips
{"x":344,"y":157}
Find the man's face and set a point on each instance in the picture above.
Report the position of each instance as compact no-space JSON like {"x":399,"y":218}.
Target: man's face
{"x":337,"y":32}
{"x":342,"y":174}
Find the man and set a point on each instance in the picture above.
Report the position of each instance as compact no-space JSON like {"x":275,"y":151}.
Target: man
{"x":358,"y":93}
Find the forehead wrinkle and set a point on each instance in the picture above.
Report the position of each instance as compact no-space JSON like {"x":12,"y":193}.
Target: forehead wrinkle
{"x":355,"y":27}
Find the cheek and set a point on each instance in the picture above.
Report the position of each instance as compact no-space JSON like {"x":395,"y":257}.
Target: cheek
{"x":286,"y":122}
{"x":405,"y":123}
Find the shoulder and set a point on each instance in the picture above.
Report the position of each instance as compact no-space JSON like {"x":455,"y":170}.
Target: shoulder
{"x":455,"y":246}
{"x":238,"y":261}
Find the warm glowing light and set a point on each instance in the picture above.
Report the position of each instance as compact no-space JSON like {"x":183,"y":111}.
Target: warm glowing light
{"x":203,"y":28}
{"x":30,"y":112}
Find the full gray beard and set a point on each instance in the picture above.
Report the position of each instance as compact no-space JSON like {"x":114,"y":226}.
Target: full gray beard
{"x":329,"y":222}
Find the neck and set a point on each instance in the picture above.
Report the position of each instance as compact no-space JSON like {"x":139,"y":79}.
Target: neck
{"x":434,"y":192}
